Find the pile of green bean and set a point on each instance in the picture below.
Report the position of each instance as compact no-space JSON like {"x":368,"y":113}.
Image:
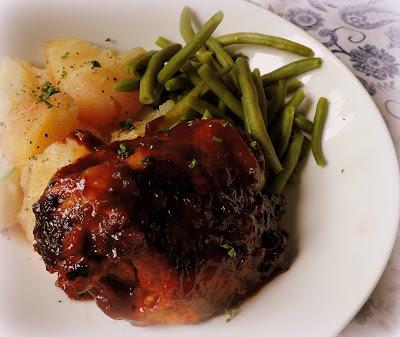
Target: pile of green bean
{"x":206,"y":81}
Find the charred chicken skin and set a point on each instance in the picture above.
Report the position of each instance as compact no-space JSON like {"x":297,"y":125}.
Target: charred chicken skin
{"x":169,"y":228}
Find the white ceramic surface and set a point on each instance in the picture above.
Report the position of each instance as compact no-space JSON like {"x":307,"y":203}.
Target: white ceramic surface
{"x":343,"y":218}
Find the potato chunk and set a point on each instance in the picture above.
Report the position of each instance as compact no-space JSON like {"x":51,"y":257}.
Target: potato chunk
{"x":87,"y":73}
{"x":32,"y":126}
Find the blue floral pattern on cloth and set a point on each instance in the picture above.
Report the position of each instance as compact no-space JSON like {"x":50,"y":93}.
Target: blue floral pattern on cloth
{"x":374,"y":62}
{"x":365,"y":36}
{"x":304,"y":18}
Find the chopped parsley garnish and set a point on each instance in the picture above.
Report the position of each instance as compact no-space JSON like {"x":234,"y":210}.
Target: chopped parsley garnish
{"x":217,"y":139}
{"x":193,"y":163}
{"x":126,"y":125}
{"x":253,"y":144}
{"x":109,"y":40}
{"x":229,"y":250}
{"x":228,"y":314}
{"x":123,"y":151}
{"x":64,"y":74}
{"x":95,"y":64}
{"x":47,"y":90}
{"x":65,"y":56}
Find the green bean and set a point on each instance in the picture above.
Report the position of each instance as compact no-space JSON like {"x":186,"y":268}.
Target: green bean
{"x":192,"y":46}
{"x":128,"y":84}
{"x":224,"y":59}
{"x":147,"y":94}
{"x":316,"y":137}
{"x":207,"y":115}
{"x":219,"y":89}
{"x":277,"y":101}
{"x":137,"y":65}
{"x":163,"y":42}
{"x":181,"y":109}
{"x":187,"y":68}
{"x":303,"y":123}
{"x":292,"y":69}
{"x":297,"y":98}
{"x":282,"y":130}
{"x":289,"y":163}
{"x":176,"y":96}
{"x":265,"y":40}
{"x":254,"y":122}
{"x":202,"y":106}
{"x":262,"y":101}
{"x":185,"y":24}
{"x":190,"y":71}
{"x":292,"y":85}
{"x":206,"y":57}
{"x":237,"y":55}
{"x":305,"y":150}
{"x":178,"y":83}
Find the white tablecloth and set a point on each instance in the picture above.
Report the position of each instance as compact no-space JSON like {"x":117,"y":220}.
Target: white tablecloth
{"x":365,"y":35}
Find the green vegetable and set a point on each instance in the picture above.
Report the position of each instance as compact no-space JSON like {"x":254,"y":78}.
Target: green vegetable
{"x":219,"y":89}
{"x":277,"y":101}
{"x":262,"y":100}
{"x":95,"y":64}
{"x":47,"y":90}
{"x":297,"y":98}
{"x":181,"y":109}
{"x":163,"y":42}
{"x":128,"y":84}
{"x":193,"y":164}
{"x":265,"y":40}
{"x":316,"y":137}
{"x":224,"y":60}
{"x":123,"y":151}
{"x":253,"y":120}
{"x":292,"y":84}
{"x":138,"y":65}
{"x":189,"y":70}
{"x":291,"y":70}
{"x":64,"y":74}
{"x":192,"y":46}
{"x":147,"y":94}
{"x":207,"y":115}
{"x":178,"y":83}
{"x":126,"y":125}
{"x":217,"y":139}
{"x":202,"y":107}
{"x":282,"y":130}
{"x":289,"y":163}
{"x":185,"y":24}
{"x":303,"y":123}
{"x":229,"y":250}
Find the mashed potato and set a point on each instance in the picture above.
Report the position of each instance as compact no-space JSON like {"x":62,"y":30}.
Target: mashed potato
{"x":39,"y":108}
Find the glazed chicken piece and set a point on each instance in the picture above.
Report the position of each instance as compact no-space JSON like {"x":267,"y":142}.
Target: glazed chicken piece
{"x":170,"y":228}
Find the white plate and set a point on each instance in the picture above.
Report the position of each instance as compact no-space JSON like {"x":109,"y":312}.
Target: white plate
{"x":344,"y":216}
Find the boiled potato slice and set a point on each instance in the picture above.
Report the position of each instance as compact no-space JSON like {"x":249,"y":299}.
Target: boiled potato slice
{"x":33,"y":126}
{"x":87,"y":73}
